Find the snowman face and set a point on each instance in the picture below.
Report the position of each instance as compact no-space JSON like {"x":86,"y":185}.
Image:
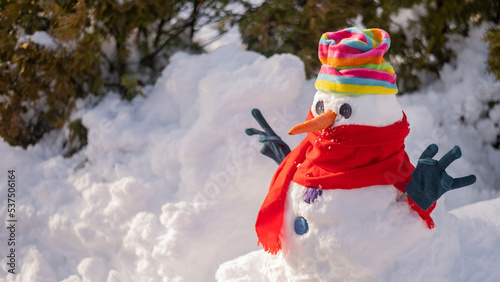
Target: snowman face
{"x":372,"y":110}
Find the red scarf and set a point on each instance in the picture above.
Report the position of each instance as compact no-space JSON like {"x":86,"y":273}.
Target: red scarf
{"x":343,"y":157}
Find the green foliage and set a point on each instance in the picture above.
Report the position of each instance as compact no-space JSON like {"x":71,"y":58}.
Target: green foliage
{"x":99,"y":45}
{"x":77,"y":137}
{"x":493,"y":38}
{"x":131,"y":87}
{"x":418,"y":48}
{"x":421,"y":47}
{"x":39,"y":85}
{"x":283,"y":26}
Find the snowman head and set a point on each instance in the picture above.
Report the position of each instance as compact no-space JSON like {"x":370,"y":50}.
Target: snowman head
{"x":372,"y":110}
{"x":355,"y":84}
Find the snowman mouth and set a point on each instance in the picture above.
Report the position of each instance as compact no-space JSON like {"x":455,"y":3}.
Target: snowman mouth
{"x":323,"y":121}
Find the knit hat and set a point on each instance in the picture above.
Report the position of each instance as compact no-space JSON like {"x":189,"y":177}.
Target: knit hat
{"x":353,"y":62}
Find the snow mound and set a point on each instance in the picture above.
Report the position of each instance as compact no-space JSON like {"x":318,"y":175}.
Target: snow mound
{"x":167,"y":184}
{"x":383,"y":247}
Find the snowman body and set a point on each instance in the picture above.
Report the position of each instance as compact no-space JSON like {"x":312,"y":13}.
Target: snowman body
{"x":362,"y":234}
{"x":355,"y":235}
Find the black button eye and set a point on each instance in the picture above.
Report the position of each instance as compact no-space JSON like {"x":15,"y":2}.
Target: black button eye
{"x":345,"y":110}
{"x":320,"y":107}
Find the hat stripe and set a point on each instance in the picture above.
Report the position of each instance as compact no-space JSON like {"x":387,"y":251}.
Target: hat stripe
{"x":354,"y":37}
{"x":336,"y":37}
{"x":380,"y":35}
{"x":343,"y":62}
{"x":345,"y":51}
{"x":342,"y":51}
{"x":385,"y":67}
{"x":360,"y":45}
{"x":349,"y":89}
{"x":370,"y":34}
{"x":359,"y":72}
{"x":356,"y":34}
{"x":325,"y":40}
{"x":355,"y":80}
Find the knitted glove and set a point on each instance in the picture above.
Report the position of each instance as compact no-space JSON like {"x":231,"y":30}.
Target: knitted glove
{"x":274,"y":147}
{"x":430,"y":180}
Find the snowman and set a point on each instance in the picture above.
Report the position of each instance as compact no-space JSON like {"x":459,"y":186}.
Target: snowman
{"x":347,"y":204}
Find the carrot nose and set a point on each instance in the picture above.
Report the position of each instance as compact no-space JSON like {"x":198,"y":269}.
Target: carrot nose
{"x":320,"y":122}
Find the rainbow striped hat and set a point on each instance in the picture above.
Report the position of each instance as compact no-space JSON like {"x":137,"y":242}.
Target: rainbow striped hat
{"x":353,"y":62}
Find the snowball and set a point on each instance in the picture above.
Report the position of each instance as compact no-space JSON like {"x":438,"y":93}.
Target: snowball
{"x":35,"y":267}
{"x":92,"y":269}
{"x":488,"y":130}
{"x":494,"y":114}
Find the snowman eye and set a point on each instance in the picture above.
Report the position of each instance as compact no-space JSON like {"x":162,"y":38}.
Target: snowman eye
{"x":320,"y":107}
{"x":345,"y":110}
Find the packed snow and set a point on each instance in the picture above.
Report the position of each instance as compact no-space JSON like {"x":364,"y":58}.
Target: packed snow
{"x":39,"y":37}
{"x":169,"y":186}
{"x":365,"y":235}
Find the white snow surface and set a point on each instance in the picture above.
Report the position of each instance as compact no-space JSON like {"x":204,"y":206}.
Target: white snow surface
{"x":169,"y":186}
{"x":41,"y":38}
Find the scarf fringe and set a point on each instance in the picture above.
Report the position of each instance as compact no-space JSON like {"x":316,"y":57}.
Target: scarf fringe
{"x":272,"y":247}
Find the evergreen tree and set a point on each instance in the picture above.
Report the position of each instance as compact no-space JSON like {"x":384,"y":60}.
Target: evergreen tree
{"x":493,"y":39}
{"x":417,"y":49}
{"x":92,"y":53}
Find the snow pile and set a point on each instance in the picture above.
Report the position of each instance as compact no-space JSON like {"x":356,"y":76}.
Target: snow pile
{"x":454,"y":111}
{"x":169,"y":186}
{"x":365,"y":235}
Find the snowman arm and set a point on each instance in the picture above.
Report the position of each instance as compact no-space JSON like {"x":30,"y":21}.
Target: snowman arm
{"x":430,"y":180}
{"x":274,"y":147}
